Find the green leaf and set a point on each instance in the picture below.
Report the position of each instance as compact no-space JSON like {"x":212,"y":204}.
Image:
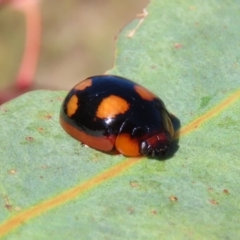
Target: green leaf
{"x":52,"y":187}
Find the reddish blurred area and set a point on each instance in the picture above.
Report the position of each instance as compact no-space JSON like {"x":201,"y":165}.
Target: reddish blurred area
{"x":26,"y":67}
{"x":12,"y":92}
{"x":54,"y":44}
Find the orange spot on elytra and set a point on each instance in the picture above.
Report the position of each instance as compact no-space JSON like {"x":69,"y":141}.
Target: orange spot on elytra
{"x":72,"y":105}
{"x":144,"y":93}
{"x":84,"y":84}
{"x":112,"y":106}
{"x":127,"y":145}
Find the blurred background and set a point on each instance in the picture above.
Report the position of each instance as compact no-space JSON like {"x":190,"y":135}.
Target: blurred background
{"x":51,"y":44}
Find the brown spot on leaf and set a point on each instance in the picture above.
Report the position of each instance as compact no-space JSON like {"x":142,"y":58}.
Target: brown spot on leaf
{"x":134,"y":184}
{"x":94,"y":160}
{"x":131,"y":210}
{"x":40,"y":129}
{"x":17,"y":209}
{"x":178,"y":45}
{"x":12,"y":171}
{"x":192,"y":8}
{"x":214,"y":202}
{"x":3,"y":109}
{"x":60,"y":99}
{"x":48,"y":116}
{"x":7,"y":205}
{"x":173,"y":198}
{"x":30,"y":139}
{"x":225,"y":191}
{"x":154,"y":212}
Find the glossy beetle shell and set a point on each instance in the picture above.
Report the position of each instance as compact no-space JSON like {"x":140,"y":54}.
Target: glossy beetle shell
{"x":109,"y":113}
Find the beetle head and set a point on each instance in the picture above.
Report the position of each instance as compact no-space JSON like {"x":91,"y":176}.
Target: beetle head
{"x":156,"y":145}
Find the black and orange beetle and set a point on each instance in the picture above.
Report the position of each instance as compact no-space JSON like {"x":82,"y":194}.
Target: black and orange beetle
{"x":109,"y":113}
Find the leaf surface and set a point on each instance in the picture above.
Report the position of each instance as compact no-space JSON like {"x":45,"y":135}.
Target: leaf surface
{"x":53,"y":187}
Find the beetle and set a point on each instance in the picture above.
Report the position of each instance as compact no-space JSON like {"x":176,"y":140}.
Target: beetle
{"x":109,"y":112}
